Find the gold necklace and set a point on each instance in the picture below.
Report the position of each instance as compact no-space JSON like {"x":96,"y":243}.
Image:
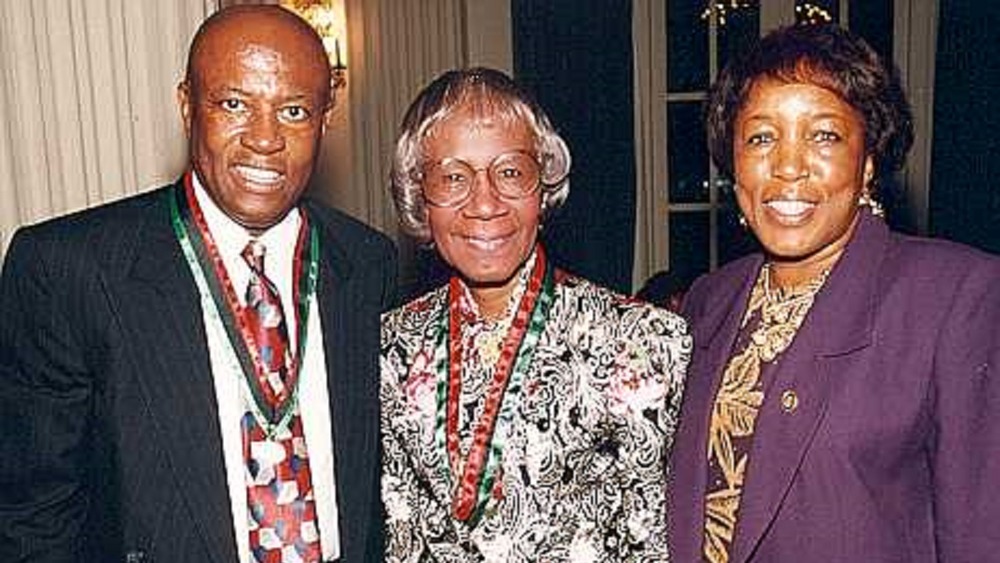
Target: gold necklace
{"x":792,"y":292}
{"x":784,"y":304}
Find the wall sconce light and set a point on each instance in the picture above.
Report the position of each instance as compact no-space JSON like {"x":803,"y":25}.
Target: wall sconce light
{"x":327,"y":18}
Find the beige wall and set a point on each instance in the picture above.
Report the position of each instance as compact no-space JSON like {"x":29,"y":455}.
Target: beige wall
{"x":489,"y":34}
{"x":87,"y":111}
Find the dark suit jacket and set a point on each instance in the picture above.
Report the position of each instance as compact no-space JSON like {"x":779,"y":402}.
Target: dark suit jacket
{"x":893,"y":451}
{"x":111,"y":448}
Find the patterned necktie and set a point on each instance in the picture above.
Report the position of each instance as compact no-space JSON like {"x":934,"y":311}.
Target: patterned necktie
{"x":264,"y":316}
{"x":282,"y":509}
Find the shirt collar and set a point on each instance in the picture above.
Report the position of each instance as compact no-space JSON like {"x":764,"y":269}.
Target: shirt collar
{"x":230,"y":237}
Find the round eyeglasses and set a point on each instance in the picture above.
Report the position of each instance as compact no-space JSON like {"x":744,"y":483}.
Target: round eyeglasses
{"x":449,"y":182}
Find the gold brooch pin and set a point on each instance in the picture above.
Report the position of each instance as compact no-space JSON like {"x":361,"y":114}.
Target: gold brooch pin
{"x":789,"y":401}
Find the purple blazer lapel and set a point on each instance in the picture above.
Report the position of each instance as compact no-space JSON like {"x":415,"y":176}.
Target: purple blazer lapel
{"x":714,"y":327}
{"x":782,"y":438}
{"x":839,"y":324}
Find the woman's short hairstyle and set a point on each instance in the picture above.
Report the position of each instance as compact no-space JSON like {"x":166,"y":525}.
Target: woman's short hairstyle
{"x":831,"y":58}
{"x":488,"y":95}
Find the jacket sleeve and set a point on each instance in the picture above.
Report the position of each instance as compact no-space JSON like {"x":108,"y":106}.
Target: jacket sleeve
{"x":46,"y":396}
{"x":400,"y":488}
{"x":649,"y":365}
{"x":965,"y":406}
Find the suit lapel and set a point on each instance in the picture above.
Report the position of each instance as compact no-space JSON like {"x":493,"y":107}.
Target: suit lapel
{"x":165,"y":319}
{"x":838,"y":325}
{"x":714,"y":331}
{"x":781,"y":439}
{"x":350,"y":339}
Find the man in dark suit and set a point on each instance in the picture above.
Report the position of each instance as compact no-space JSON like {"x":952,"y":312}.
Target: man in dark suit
{"x":189,"y":375}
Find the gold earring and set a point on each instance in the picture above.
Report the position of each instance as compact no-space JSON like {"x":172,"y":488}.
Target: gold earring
{"x":740,"y":217}
{"x":867,"y":200}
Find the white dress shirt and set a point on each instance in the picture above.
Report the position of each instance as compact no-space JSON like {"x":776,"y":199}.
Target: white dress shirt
{"x":230,"y":386}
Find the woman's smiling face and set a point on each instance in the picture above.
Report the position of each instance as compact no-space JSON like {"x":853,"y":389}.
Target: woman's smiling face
{"x":486,"y":237}
{"x":800,"y":165}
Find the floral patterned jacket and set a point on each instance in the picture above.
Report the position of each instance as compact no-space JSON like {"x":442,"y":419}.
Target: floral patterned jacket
{"x":582,"y":474}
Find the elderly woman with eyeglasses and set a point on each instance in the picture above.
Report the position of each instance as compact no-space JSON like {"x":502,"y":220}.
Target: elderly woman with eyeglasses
{"x":526,"y":412}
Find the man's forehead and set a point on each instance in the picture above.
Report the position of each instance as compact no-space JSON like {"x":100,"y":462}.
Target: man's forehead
{"x":260,"y":70}
{"x":248,"y":58}
{"x":231,"y":43}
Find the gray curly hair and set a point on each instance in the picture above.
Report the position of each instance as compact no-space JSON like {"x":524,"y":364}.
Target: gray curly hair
{"x":488,"y":94}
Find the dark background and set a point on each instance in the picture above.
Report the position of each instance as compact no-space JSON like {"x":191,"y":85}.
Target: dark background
{"x":965,"y":191}
{"x":576,"y":55}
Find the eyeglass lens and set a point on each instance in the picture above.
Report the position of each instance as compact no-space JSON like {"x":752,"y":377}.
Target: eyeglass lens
{"x":449,"y":182}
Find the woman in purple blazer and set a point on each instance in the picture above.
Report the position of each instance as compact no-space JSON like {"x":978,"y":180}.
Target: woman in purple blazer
{"x":843,"y":402}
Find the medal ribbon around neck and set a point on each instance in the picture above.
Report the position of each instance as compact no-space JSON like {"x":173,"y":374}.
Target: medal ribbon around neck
{"x":203,"y":256}
{"x":477,"y":472}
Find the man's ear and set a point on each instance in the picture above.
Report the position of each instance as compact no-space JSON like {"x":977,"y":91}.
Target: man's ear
{"x":328,"y":110}
{"x":184,"y":104}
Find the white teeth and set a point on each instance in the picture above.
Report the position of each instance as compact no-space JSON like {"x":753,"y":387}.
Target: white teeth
{"x":486,"y":244}
{"x":790,"y":206}
{"x":258,"y":175}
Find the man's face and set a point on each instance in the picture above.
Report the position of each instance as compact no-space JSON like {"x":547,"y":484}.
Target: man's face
{"x":254,"y":108}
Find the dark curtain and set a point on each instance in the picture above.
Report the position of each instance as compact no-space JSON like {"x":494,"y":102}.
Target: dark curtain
{"x":576,"y":56}
{"x":965,"y":190}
